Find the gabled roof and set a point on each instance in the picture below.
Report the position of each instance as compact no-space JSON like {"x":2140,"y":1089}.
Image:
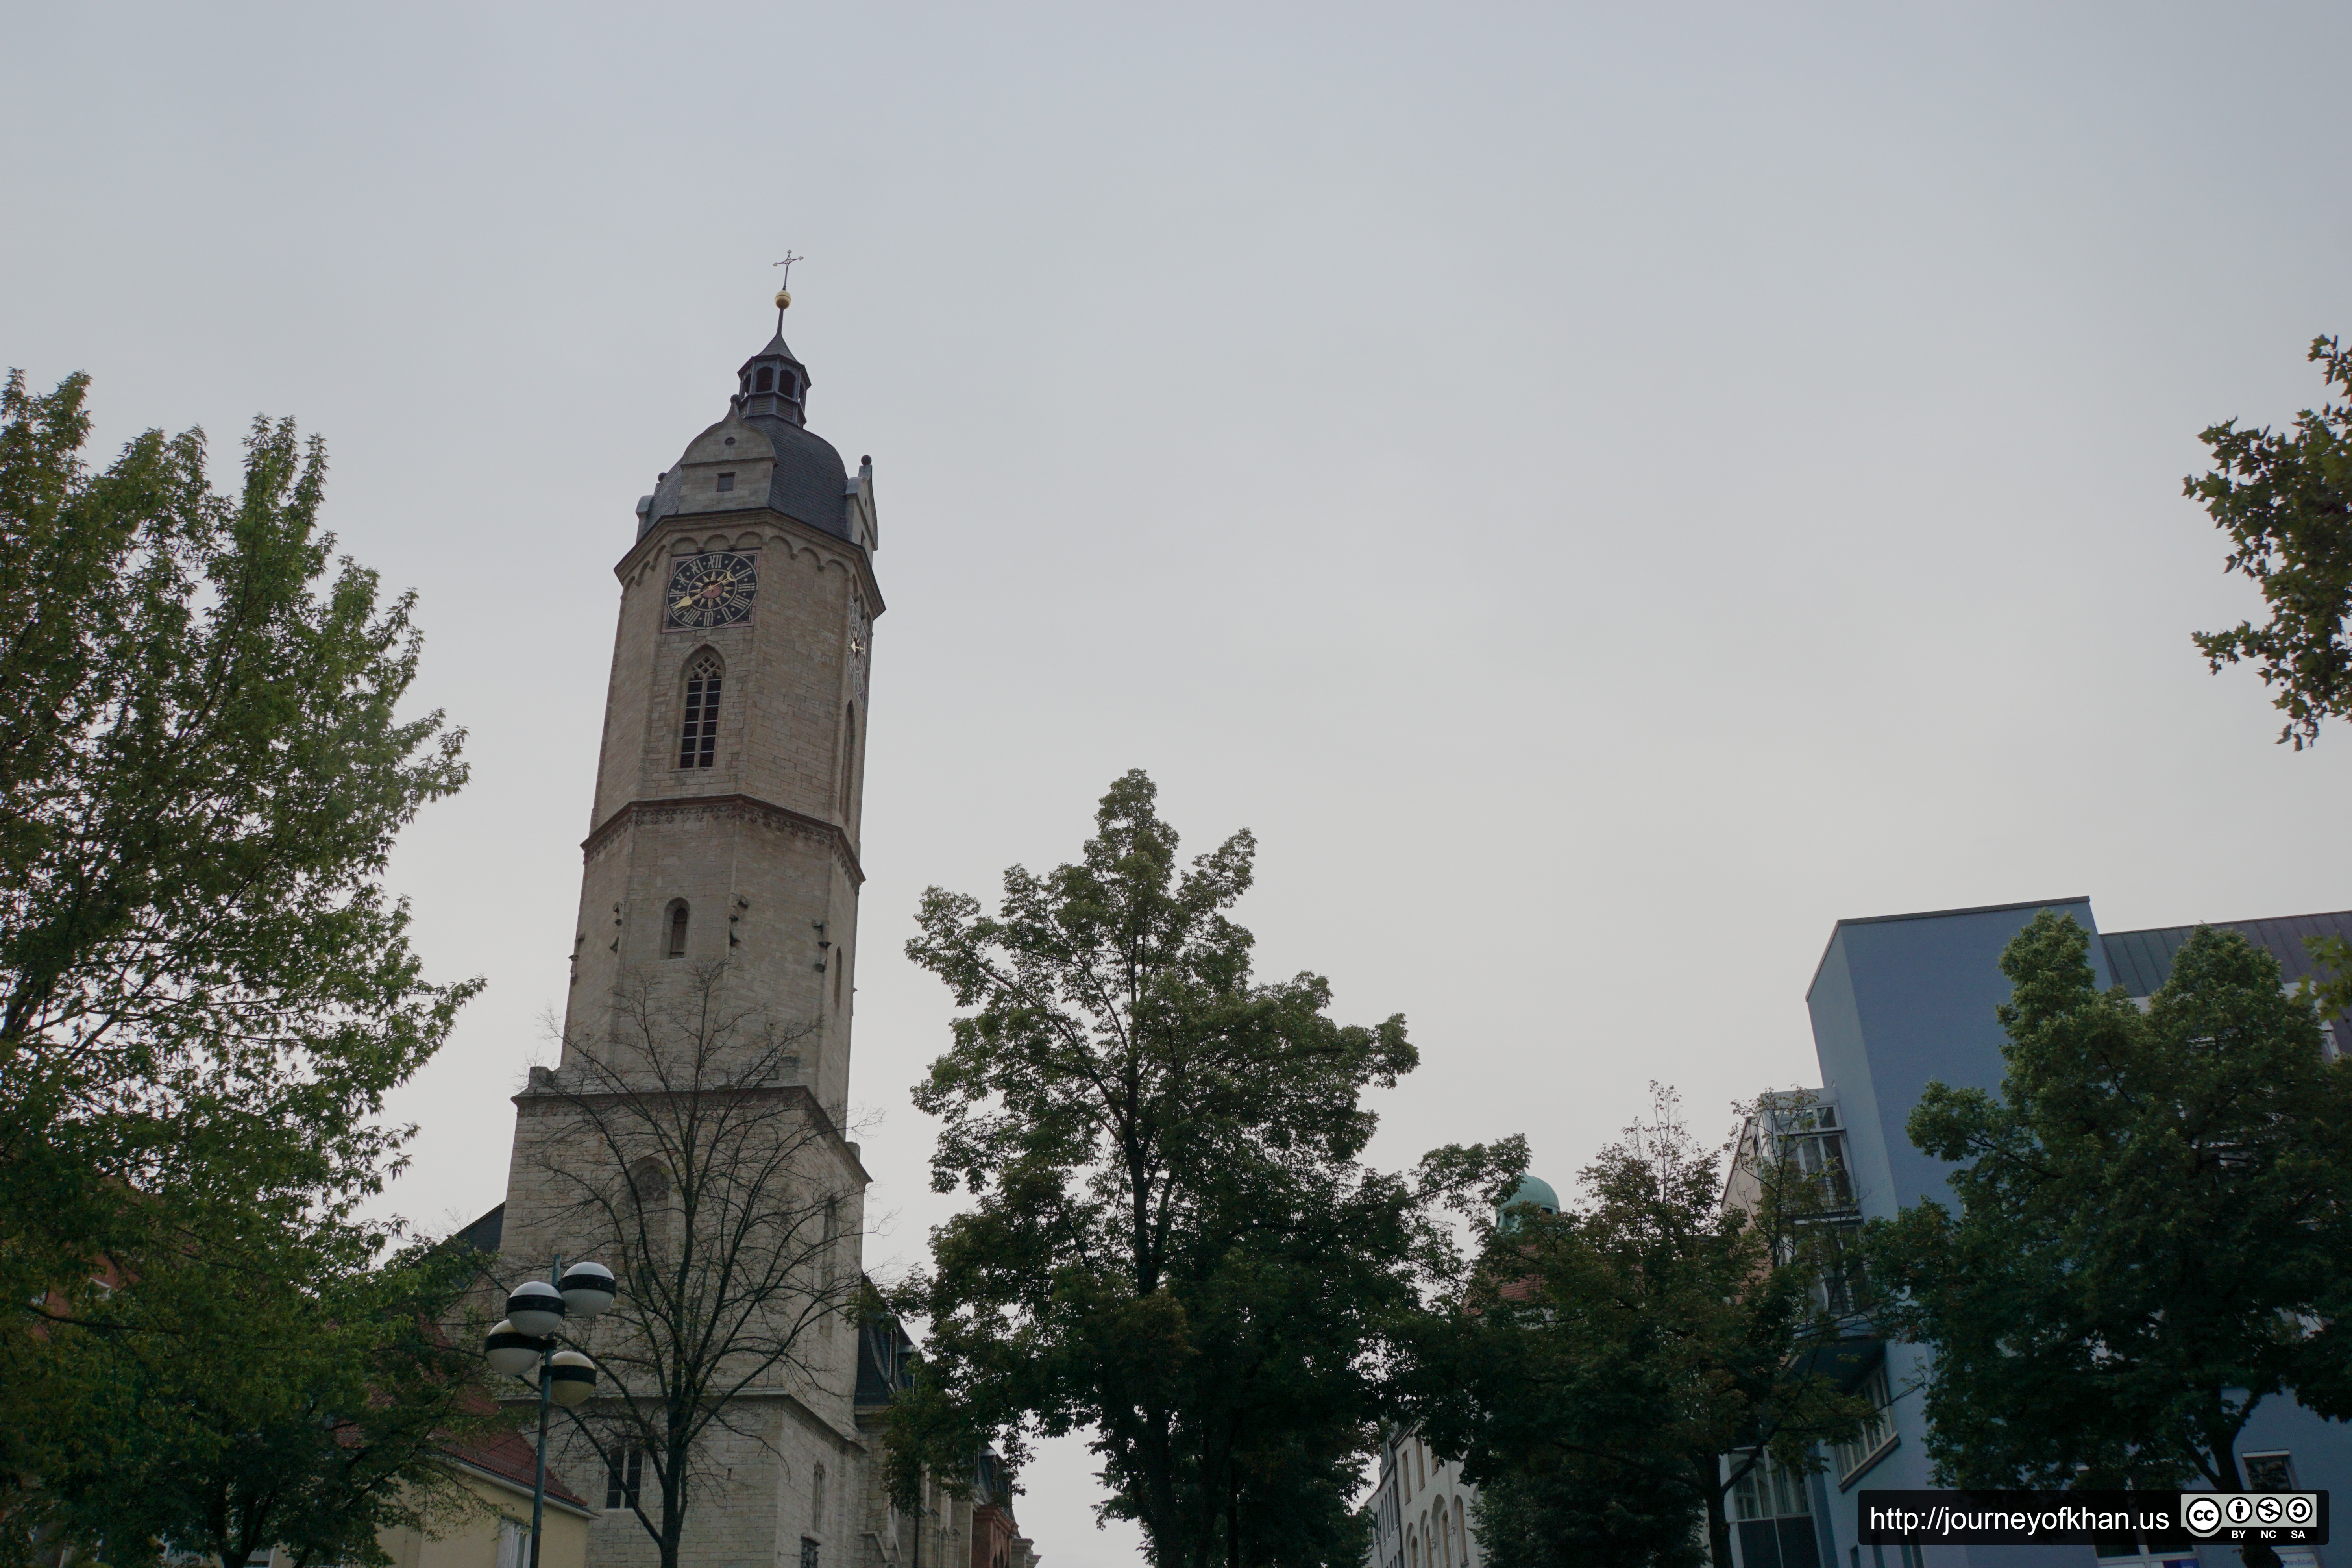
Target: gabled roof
{"x":483,"y":1234}
{"x":509,"y":1457}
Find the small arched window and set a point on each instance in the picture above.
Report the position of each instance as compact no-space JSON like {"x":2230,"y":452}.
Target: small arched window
{"x":674,"y":946}
{"x":767,"y":378}
{"x":649,"y":1182}
{"x":698,"y":742}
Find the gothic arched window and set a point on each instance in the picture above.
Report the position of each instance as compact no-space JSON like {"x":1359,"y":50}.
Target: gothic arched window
{"x":698,"y":741}
{"x":676,"y":947}
{"x":649,"y":1198}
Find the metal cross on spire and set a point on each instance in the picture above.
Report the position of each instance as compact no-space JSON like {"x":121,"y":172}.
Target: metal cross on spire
{"x":785,"y":294}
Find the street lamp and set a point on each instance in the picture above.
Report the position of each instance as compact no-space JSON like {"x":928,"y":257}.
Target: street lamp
{"x":524,"y":1344}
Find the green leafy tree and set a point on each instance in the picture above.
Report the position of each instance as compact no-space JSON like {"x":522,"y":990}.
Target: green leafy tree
{"x":204,"y":992}
{"x":1173,"y":1244}
{"x":2285,"y":500}
{"x":1652,"y":1344}
{"x":2153,"y":1219}
{"x":1565,"y":1514}
{"x":231,"y":1411}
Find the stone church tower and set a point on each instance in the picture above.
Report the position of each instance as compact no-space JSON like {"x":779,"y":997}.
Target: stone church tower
{"x":724,"y":842}
{"x":726,"y":818}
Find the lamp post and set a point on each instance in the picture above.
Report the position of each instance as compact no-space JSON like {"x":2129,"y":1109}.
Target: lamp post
{"x":524,"y":1344}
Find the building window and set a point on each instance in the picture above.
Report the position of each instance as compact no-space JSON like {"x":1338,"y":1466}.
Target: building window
{"x":808,"y":1552}
{"x":676,"y":924}
{"x":1849,"y":1459}
{"x":2269,"y":1472}
{"x":1774,"y":1516}
{"x":726,"y":482}
{"x":767,"y":379}
{"x":514,"y":1544}
{"x":698,"y":743}
{"x":849,"y":756}
{"x":1840,"y":1289}
{"x":817,"y":1503}
{"x":623,"y":1475}
{"x":649,"y":1203}
{"x":1816,"y":1153}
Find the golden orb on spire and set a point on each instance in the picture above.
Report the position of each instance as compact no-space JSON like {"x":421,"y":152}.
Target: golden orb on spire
{"x":783,"y":299}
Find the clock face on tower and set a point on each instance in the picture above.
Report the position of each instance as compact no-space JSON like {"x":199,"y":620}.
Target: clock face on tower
{"x":713,"y":590}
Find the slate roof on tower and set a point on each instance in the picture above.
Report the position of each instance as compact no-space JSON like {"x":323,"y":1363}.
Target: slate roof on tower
{"x":809,"y":481}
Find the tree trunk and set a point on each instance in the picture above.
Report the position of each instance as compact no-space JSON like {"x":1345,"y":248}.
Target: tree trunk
{"x":673,"y":1525}
{"x":1718,"y":1523}
{"x":2227,"y":1478}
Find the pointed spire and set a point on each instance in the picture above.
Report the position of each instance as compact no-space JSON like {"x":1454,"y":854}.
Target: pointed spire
{"x":772,"y":384}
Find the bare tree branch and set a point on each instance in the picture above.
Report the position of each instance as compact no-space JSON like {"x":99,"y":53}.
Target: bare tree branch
{"x":686,"y":1151}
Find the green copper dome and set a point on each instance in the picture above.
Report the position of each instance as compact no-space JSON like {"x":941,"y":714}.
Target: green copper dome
{"x":1534,"y":1189}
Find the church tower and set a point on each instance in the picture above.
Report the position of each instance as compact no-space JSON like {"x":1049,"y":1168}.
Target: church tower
{"x":722,"y":866}
{"x":726,"y":816}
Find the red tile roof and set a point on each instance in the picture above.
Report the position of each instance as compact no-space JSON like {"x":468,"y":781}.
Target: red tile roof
{"x":509,"y":1457}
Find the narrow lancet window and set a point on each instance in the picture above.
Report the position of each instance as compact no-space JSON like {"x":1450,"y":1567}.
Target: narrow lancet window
{"x":698,"y":743}
{"x":677,"y":929}
{"x":848,"y":757}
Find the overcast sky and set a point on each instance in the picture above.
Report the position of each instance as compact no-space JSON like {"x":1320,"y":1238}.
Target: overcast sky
{"x":1603,"y":492}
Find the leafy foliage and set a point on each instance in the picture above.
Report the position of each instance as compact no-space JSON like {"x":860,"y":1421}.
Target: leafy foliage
{"x":225,"y":1411}
{"x":1568,"y":1515}
{"x":1174,"y":1244}
{"x":1622,"y":1347}
{"x":2286,"y":501}
{"x":2153,"y":1219}
{"x":204,"y":994}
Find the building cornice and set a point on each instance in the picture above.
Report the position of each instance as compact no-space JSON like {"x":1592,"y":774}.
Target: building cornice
{"x":544,"y":1095}
{"x":739,"y":807}
{"x":814,"y":538}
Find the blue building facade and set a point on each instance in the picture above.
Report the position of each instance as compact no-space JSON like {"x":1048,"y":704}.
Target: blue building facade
{"x":1896,"y":1003}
